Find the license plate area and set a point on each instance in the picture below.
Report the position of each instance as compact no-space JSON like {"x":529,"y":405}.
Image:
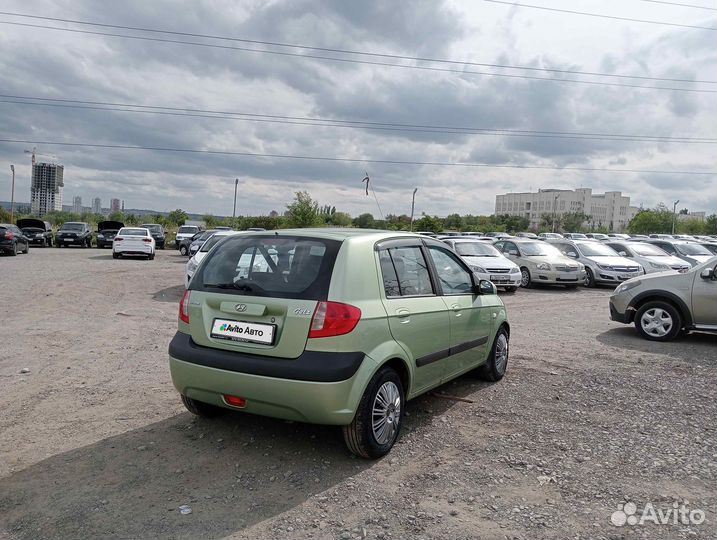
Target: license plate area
{"x":243,"y":332}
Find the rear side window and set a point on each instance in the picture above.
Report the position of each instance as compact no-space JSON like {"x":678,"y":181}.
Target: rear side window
{"x":405,"y":272}
{"x":273,"y":266}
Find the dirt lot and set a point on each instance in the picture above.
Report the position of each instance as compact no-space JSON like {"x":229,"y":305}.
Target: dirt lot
{"x":95,"y":443}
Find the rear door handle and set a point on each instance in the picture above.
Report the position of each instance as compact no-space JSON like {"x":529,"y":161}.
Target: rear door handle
{"x":404,"y":315}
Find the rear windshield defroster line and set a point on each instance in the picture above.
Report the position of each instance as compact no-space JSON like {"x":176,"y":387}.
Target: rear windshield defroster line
{"x":269,"y":265}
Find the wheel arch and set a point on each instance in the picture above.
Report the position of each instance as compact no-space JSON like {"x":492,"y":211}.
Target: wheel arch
{"x":665,"y":296}
{"x":399,"y":366}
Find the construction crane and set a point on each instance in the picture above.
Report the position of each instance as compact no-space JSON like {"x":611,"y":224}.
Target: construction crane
{"x":34,"y":153}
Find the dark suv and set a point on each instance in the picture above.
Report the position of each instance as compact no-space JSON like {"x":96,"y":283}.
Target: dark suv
{"x":75,"y":233}
{"x":38,"y":232}
{"x":157,"y":232}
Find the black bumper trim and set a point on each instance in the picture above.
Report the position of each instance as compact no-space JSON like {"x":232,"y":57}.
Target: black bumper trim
{"x":313,"y":366}
{"x":618,"y":317}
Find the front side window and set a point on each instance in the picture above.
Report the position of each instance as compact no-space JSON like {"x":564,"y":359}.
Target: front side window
{"x":452,"y":275}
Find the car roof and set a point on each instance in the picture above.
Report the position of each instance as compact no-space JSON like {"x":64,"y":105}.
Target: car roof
{"x":340,"y":234}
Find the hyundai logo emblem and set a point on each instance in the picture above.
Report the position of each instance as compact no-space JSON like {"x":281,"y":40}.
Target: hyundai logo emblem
{"x":240,"y":307}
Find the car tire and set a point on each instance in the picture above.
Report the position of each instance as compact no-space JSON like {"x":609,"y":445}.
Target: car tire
{"x":658,"y":321}
{"x":27,"y":248}
{"x":366,"y":438}
{"x":199,"y":408}
{"x":183,"y":250}
{"x":116,"y":255}
{"x":150,"y":257}
{"x":13,"y":251}
{"x":511,"y":289}
{"x":525,"y":279}
{"x":494,"y":368}
{"x":589,"y":278}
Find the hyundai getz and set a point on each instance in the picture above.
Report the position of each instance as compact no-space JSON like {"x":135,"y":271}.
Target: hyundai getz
{"x":333,"y":327}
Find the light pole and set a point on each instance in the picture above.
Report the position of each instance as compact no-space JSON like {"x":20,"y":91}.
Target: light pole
{"x":413,"y":205}
{"x":674,"y":215}
{"x":12,"y":193}
{"x":234,"y":211}
{"x":555,"y":205}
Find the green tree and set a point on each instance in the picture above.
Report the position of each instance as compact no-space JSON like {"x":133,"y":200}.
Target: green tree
{"x":649,"y":221}
{"x":340,"y":219}
{"x":365,"y":221}
{"x":428,"y":223}
{"x":711,"y":224}
{"x":550,"y":222}
{"x":303,"y":211}
{"x":573,"y":221}
{"x":117,"y":216}
{"x":4,"y":215}
{"x":177,"y":217}
{"x":453,"y":222}
{"x":211,"y":221}
{"x":691,"y":226}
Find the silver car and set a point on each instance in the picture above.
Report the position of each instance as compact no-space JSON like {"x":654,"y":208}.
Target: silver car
{"x":487,"y":262}
{"x":652,"y":258}
{"x":690,"y":252}
{"x":539,"y":262}
{"x":602,"y":263}
{"x":663,"y":304}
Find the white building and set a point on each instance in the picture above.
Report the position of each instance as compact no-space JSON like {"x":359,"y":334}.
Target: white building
{"x":77,"y":204}
{"x":699,"y":216}
{"x":114,"y":205}
{"x":46,"y":188}
{"x":97,"y":205}
{"x":611,"y":209}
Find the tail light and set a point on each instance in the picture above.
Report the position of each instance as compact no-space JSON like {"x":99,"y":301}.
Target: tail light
{"x":9,"y":235}
{"x":333,"y":319}
{"x":118,"y":238}
{"x":147,"y":240}
{"x":184,"y":307}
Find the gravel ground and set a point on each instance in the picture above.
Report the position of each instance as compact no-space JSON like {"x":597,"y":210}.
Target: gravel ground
{"x":95,"y":443}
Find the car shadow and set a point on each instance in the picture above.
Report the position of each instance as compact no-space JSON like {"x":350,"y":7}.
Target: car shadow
{"x":101,"y":257}
{"x":169,"y":294}
{"x":233,"y":472}
{"x":696,"y":347}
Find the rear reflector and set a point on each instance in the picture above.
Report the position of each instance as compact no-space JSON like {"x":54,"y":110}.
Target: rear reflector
{"x":235,"y":401}
{"x":118,"y":238}
{"x":184,"y":307}
{"x":333,"y":319}
{"x":148,"y":240}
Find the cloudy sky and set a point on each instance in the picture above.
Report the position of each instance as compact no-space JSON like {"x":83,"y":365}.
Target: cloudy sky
{"x":60,"y":65}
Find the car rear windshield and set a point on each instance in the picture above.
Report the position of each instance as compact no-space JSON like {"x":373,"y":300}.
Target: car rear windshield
{"x":692,"y":249}
{"x":72,"y":227}
{"x":188,"y":229}
{"x":133,"y":232}
{"x":274,"y":266}
{"x":596,"y":249}
{"x":476,"y":249}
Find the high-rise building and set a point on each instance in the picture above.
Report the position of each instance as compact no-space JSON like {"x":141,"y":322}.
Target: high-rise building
{"x":77,"y":204}
{"x":611,"y":209}
{"x":46,"y":188}
{"x":97,"y":205}
{"x":114,"y":205}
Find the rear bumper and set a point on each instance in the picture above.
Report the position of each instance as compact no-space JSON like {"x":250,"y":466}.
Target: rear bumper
{"x":134,"y":250}
{"x":280,"y":388}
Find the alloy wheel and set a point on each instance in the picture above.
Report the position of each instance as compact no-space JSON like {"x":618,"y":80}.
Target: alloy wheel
{"x":524,"y":277}
{"x":501,"y":353}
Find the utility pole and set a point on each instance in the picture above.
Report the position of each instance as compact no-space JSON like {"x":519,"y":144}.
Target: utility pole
{"x":413,"y":205}
{"x":12,"y":194}
{"x":555,"y":205}
{"x":234,"y":212}
{"x":674,"y":215}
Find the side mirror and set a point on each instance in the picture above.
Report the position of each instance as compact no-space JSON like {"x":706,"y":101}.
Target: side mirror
{"x":572,"y":254}
{"x":485,"y":287}
{"x":622,"y":254}
{"x":708,"y":273}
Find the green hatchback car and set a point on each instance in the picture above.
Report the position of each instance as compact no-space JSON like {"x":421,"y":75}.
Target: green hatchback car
{"x":334,"y":327}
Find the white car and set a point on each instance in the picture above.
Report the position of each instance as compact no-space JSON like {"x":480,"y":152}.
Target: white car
{"x":652,"y":258}
{"x":193,"y":262}
{"x":602,"y":263}
{"x":133,"y":241}
{"x":487,"y":262}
